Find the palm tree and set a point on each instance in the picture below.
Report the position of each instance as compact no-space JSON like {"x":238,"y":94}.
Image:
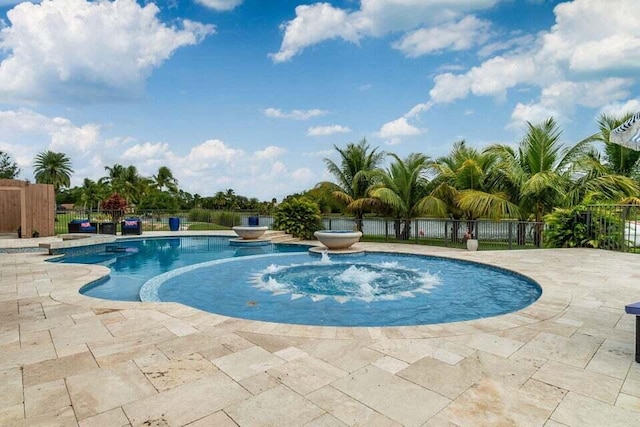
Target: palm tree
{"x":403,"y":193}
{"x":538,"y":175}
{"x":544,"y":174}
{"x":92,"y":193}
{"x":53,"y":168}
{"x":355,"y":174}
{"x":165,"y":179}
{"x":618,"y":159}
{"x":127,"y":182}
{"x":461,"y":182}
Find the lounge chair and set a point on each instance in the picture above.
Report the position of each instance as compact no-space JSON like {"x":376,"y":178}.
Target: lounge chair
{"x":131,"y":226}
{"x":82,"y":226}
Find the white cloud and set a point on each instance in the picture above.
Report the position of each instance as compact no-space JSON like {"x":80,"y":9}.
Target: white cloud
{"x":327,"y":130}
{"x":222,"y":5}
{"x":492,"y":78}
{"x":595,"y":35}
{"x":271,"y":152}
{"x":304,"y":175}
{"x":212,"y":153}
{"x":533,"y":113}
{"x":207,"y":167}
{"x":620,"y":108}
{"x":462,"y":35}
{"x":314,"y":24}
{"x":559,"y":100}
{"x":590,"y":39}
{"x":397,"y":128}
{"x":276,"y":113}
{"x":319,"y":22}
{"x":145,"y":151}
{"x":86,"y":50}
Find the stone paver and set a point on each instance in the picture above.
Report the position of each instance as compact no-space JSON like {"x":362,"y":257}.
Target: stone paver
{"x":567,"y":360}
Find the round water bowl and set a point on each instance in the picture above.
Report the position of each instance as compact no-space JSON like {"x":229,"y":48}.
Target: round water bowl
{"x":338,"y":239}
{"x":249,"y":233}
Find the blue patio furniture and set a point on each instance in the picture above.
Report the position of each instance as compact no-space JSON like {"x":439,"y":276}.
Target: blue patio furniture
{"x":131,"y":226}
{"x":82,"y":226}
{"x":635,"y":310}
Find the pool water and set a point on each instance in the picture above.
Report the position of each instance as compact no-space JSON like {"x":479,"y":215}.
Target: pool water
{"x":287,"y":284}
{"x":376,"y":289}
{"x":139,"y":260}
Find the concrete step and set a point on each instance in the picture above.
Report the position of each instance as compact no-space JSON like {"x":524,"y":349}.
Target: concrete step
{"x":283,"y":238}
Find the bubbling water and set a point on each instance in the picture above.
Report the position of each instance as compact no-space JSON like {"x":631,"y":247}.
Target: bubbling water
{"x":344,"y":281}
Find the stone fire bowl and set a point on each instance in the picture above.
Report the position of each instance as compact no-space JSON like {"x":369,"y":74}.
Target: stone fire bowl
{"x":249,"y":233}
{"x":338,"y":239}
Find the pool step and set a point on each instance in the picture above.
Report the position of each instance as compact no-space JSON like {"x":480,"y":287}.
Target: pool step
{"x":282,"y":237}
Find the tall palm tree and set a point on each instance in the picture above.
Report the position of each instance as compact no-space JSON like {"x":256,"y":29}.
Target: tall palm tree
{"x":354,"y":175}
{"x":92,"y":193}
{"x":164,"y":179}
{"x":126,"y":181}
{"x":538,"y":175}
{"x":52,"y":168}
{"x":403,"y":193}
{"x":544,"y":174}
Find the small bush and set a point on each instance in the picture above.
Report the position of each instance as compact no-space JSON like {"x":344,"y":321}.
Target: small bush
{"x":579,"y":227}
{"x":227,"y":219}
{"x":298,"y":217}
{"x":200,"y":215}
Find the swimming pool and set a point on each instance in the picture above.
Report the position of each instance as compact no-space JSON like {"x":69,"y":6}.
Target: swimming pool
{"x":286,"y":284}
{"x":137,"y":261}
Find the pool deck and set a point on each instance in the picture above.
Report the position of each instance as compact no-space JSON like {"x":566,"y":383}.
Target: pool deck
{"x":67,"y":359}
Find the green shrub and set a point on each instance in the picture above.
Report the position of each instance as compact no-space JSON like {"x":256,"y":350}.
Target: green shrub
{"x":228,"y":219}
{"x":200,"y":215}
{"x":298,"y":217}
{"x":580,"y":227}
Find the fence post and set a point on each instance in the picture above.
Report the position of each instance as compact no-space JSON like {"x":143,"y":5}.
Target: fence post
{"x":415,"y":229}
{"x":623,"y":216}
{"x":446,"y":233}
{"x":386,"y":230}
{"x":510,"y":245}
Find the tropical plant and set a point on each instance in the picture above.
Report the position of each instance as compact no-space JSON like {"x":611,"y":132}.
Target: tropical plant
{"x":462,"y":183}
{"x":8,"y":168}
{"x":226,"y":219}
{"x":298,"y":217}
{"x":92,"y":193}
{"x":53,"y":168}
{"x":355,"y":175}
{"x":126,"y":181}
{"x":159,"y":200}
{"x":581,"y":227}
{"x":115,"y":206}
{"x":617,"y":159}
{"x":403,"y":193}
{"x":164,"y":180}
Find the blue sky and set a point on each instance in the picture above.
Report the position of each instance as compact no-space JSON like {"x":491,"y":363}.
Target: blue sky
{"x":253,"y":94}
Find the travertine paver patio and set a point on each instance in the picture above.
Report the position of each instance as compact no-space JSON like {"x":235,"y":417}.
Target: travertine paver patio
{"x":66,"y":359}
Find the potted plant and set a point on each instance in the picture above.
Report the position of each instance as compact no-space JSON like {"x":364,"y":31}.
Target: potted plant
{"x":115,"y":206}
{"x":472,"y":243}
{"x":35,"y":234}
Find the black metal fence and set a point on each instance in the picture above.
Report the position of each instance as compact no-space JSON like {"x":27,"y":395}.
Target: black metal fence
{"x":612,"y":227}
{"x":507,"y":234}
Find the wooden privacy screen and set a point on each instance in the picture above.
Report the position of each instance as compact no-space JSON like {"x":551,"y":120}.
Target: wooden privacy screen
{"x":28,"y":206}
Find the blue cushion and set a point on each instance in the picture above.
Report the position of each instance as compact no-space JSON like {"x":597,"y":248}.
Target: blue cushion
{"x":633,"y":308}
